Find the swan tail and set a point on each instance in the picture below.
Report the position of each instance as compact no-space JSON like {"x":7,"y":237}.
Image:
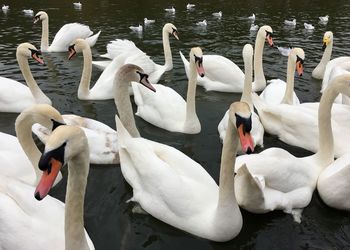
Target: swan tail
{"x":91,"y":40}
{"x":250,"y":189}
{"x":122,"y":133}
{"x":186,"y":63}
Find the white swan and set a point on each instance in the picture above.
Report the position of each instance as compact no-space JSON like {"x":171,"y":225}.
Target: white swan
{"x":5,"y":7}
{"x":103,"y":143}
{"x":19,"y":156}
{"x":67,"y":145}
{"x":284,"y":50}
{"x":202,"y":23}
{"x":25,"y":218}
{"x":257,"y":131}
{"x":171,"y":10}
{"x":309,"y":26}
{"x":138,"y":28}
{"x":253,"y":27}
{"x":290,"y":23}
{"x":276,"y":179}
{"x":166,"y":108}
{"x":138,"y":57}
{"x":28,"y":12}
{"x":252,"y":17}
{"x":278,"y":91}
{"x":334,"y":182}
{"x":14,"y":96}
{"x":217,"y":14}
{"x":190,"y":6}
{"x":297,"y":124}
{"x":77,"y":5}
{"x":221,"y":74}
{"x":327,"y":47}
{"x":148,"y":21}
{"x":177,"y":190}
{"x":65,"y":36}
{"x":324,"y":19}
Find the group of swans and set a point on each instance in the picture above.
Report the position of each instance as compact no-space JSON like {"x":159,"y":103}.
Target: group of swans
{"x":221,"y":74}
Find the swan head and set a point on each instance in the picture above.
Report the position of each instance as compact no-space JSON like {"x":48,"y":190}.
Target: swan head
{"x":40,"y":16}
{"x":28,"y":50}
{"x":63,"y":145}
{"x":327,"y":39}
{"x":297,"y":55}
{"x":196,"y":57}
{"x":247,"y":51}
{"x":265,"y":32}
{"x":241,"y":117}
{"x":171,"y":29}
{"x":77,"y":46}
{"x":133,"y":73}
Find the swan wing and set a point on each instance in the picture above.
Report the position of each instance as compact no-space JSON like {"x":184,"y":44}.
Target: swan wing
{"x":119,"y":46}
{"x":329,"y":67}
{"x":67,"y":34}
{"x":91,"y":40}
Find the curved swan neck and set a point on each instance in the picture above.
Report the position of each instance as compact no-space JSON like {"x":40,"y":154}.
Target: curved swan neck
{"x":74,"y":210}
{"x":44,"y":46}
{"x":259,"y":77}
{"x":84,"y":86}
{"x":326,"y":57}
{"x":124,"y":107}
{"x":23,"y":128}
{"x":288,"y":94}
{"x":191,"y":114}
{"x":38,"y":95}
{"x":227,"y":197}
{"x":247,"y":89}
{"x":167,"y":51}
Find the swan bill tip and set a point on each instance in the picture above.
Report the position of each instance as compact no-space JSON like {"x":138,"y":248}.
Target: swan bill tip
{"x":37,"y":196}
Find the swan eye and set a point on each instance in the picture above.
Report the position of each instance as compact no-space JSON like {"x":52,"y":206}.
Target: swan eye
{"x":268,"y":33}
{"x":198,"y":60}
{"x":34,"y":52}
{"x":246,"y":122}
{"x":142,"y":75}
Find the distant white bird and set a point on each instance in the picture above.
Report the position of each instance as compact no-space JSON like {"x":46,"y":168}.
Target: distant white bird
{"x":5,"y":7}
{"x":292,"y":23}
{"x":202,"y":23}
{"x":217,"y":14}
{"x":148,"y":21}
{"x":190,"y":6}
{"x":254,"y":27}
{"x":309,"y":26}
{"x":252,"y":17}
{"x":77,"y":5}
{"x":324,"y":19}
{"x":171,"y":10}
{"x":136,"y":28}
{"x":284,"y":50}
{"x":28,"y":12}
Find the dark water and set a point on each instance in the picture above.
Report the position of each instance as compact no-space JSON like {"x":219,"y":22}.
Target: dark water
{"x":108,"y":219}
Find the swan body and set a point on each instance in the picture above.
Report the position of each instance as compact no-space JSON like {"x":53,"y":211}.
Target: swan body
{"x":136,"y":28}
{"x":190,"y":6}
{"x":309,"y":26}
{"x":177,"y":190}
{"x":77,"y":5}
{"x":333,"y":183}
{"x":257,"y":131}
{"x":254,"y":27}
{"x":171,"y":10}
{"x":284,"y":50}
{"x":330,"y":66}
{"x":324,"y":18}
{"x":65,"y":36}
{"x":294,"y":123}
{"x":148,"y":21}
{"x":14,"y":96}
{"x":275,"y":179}
{"x":67,"y":145}
{"x":28,"y":12}
{"x":202,"y":23}
{"x":291,"y":23}
{"x":278,"y":91}
{"x":166,"y":108}
{"x":5,"y":7}
{"x":217,"y":14}
{"x":136,"y":56}
{"x":252,"y":17}
{"x":221,"y":74}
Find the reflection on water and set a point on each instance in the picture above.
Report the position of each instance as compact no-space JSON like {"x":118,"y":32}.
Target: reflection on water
{"x":108,"y":218}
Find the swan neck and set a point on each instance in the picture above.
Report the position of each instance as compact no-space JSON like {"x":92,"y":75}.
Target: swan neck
{"x":247,"y":89}
{"x":326,"y":57}
{"x":84,"y":86}
{"x":288,"y":94}
{"x":123,"y":105}
{"x":23,"y":128}
{"x":78,"y":170}
{"x":167,"y":51}
{"x":38,"y":95}
{"x":259,"y":77}
{"x":191,"y":114}
{"x":227,"y":197}
{"x":44,"y":46}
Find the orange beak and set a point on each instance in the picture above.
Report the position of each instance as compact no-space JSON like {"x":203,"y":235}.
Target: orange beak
{"x":38,"y":59}
{"x":300,"y":69}
{"x":269,"y":40}
{"x":246,"y":140}
{"x":47,"y":179}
